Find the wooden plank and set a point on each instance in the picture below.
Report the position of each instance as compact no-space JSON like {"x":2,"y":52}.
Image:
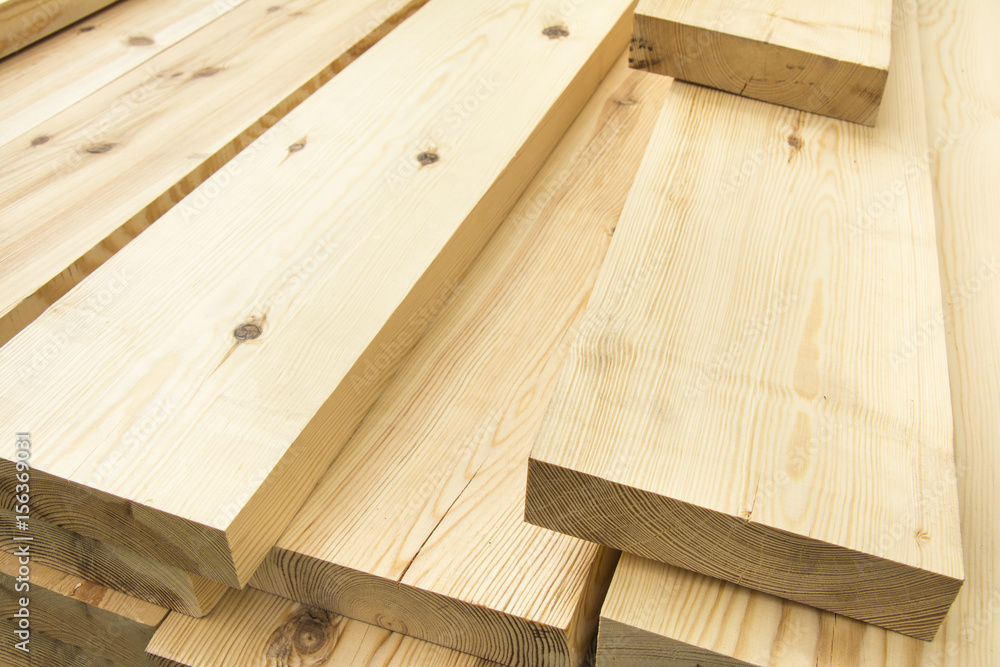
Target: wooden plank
{"x":313,"y":271}
{"x":98,"y":620}
{"x":82,"y":184}
{"x":23,"y":22}
{"x":45,"y":651}
{"x":254,"y":629}
{"x":829,"y":58}
{"x":745,"y":403}
{"x":418,"y":526}
{"x":41,"y":81}
{"x":723,"y":624}
{"x":114,"y":567}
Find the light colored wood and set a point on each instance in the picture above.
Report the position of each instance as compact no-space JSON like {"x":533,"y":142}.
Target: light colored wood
{"x":829,"y":58}
{"x":77,"y":612}
{"x":23,"y":22}
{"x":743,"y":402}
{"x":82,"y":184}
{"x":194,"y":446}
{"x":255,"y":629}
{"x":721,"y":623}
{"x":418,"y":526}
{"x":41,"y":81}
{"x":114,"y":568}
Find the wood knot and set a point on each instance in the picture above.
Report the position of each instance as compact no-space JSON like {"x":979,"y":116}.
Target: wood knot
{"x":247,"y":331}
{"x":206,"y":72}
{"x":297,"y":146}
{"x":556,"y":31}
{"x":39,"y":140}
{"x":310,"y":636}
{"x":273,"y":8}
{"x":140,"y":40}
{"x":428,"y":157}
{"x":627,"y":102}
{"x":100,"y":148}
{"x":87,"y":28}
{"x":795,"y":141}
{"x":307,"y":639}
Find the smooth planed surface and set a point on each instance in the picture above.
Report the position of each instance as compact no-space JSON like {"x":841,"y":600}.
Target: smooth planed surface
{"x":23,"y":22}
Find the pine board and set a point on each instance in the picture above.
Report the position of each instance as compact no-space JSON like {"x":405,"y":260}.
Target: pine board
{"x":254,"y":629}
{"x":45,"y":651}
{"x":114,"y":568}
{"x":71,"y":610}
{"x":744,"y":404}
{"x":830,"y":58}
{"x":83,"y":183}
{"x":418,"y":526}
{"x":41,"y":81}
{"x":23,"y":22}
{"x":958,"y":44}
{"x":319,"y":336}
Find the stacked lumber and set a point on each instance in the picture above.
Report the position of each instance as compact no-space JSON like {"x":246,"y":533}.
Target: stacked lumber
{"x":828,"y":58}
{"x":23,"y":22}
{"x":404,"y":332}
{"x":735,"y":407}
{"x":656,"y":613}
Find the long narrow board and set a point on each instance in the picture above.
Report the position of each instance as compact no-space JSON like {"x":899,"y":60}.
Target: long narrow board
{"x":71,"y":610}
{"x":80,"y":185}
{"x":418,"y":526}
{"x":254,"y":629}
{"x":723,"y":624}
{"x":830,"y":58}
{"x":745,"y":403}
{"x":294,"y":290}
{"x":44,"y":651}
{"x":41,"y":81}
{"x":113,"y":567}
{"x":23,"y":22}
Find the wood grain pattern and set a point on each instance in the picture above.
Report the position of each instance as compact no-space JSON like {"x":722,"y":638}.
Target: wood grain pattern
{"x":98,"y":620}
{"x":746,"y":404}
{"x":254,"y":629}
{"x":271,"y":330}
{"x":723,"y":624}
{"x":23,"y":22}
{"x":85,"y":182}
{"x":114,"y":568}
{"x":45,"y":651}
{"x":41,"y":81}
{"x":829,"y":58}
{"x":418,"y":526}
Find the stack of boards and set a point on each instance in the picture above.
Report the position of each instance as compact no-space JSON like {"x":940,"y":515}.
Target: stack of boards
{"x":432,"y":332}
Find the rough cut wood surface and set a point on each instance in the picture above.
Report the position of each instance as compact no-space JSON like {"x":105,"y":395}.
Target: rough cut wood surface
{"x":746,"y":403}
{"x":46,"y":651}
{"x":113,"y":567}
{"x":23,"y":22}
{"x":254,"y":629}
{"x":656,"y":612}
{"x":98,"y":620}
{"x":829,"y":58}
{"x":419,"y":524}
{"x":207,"y":383}
{"x":41,"y":81}
{"x":83,"y":183}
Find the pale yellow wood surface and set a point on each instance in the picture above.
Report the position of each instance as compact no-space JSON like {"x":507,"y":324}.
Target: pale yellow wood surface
{"x":745,"y":403}
{"x":823,"y":57}
{"x":291,"y":287}
{"x":41,"y":81}
{"x":662,"y":611}
{"x":254,"y":629}
{"x":25,"y":21}
{"x":77,"y":612}
{"x":429,"y":493}
{"x":80,"y":185}
{"x":113,"y":567}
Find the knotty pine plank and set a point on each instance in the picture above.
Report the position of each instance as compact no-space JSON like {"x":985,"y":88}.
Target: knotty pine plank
{"x":74,"y":611}
{"x":829,"y":58}
{"x":418,"y":525}
{"x":23,"y":22}
{"x":294,"y":291}
{"x":85,"y":182}
{"x":745,"y":404}
{"x":52,"y":75}
{"x":254,"y":629}
{"x":642,"y":620}
{"x":114,"y":568}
